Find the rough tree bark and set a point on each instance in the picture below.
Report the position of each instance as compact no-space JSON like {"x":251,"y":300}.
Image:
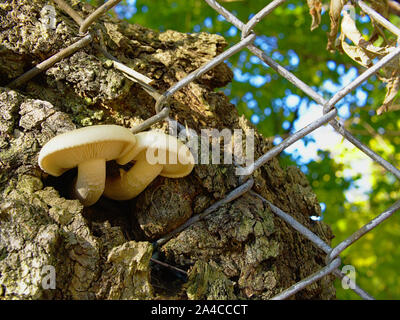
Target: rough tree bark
{"x":103,"y":252}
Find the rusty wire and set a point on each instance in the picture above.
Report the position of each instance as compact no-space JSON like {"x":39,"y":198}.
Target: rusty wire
{"x":333,"y":260}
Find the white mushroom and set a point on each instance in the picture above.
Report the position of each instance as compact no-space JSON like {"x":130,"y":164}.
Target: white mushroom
{"x":155,"y":153}
{"x":88,"y":149}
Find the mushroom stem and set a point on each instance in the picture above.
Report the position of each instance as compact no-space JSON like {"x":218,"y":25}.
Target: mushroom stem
{"x":90,"y":182}
{"x":129,"y":184}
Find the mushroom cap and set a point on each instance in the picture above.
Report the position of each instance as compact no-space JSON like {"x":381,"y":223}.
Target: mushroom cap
{"x":67,"y":150}
{"x":179,"y":161}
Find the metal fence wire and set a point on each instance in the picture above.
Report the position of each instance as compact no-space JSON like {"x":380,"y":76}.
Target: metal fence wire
{"x":333,"y":260}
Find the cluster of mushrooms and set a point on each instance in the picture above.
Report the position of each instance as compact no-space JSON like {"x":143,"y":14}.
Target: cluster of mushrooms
{"x":89,"y":149}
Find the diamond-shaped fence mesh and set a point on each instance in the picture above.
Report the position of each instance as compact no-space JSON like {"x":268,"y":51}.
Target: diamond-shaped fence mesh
{"x":333,"y":260}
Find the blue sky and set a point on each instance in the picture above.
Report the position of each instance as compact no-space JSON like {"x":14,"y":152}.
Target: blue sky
{"x":326,"y":138}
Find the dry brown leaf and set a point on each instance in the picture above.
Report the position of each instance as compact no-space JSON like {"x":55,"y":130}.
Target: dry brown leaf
{"x":315,"y":7}
{"x":357,"y":54}
{"x":349,"y":29}
{"x":391,"y":76}
{"x":393,"y":107}
{"x":363,"y":51}
{"x":380,"y":6}
{"x":335,"y":9}
{"x":392,"y":88}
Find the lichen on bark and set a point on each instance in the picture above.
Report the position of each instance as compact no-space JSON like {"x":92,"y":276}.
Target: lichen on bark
{"x":103,"y":252}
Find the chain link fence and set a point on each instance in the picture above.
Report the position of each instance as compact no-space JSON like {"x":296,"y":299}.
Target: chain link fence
{"x":333,"y":260}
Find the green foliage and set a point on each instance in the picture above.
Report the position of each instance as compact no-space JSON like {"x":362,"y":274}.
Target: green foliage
{"x":285,"y":35}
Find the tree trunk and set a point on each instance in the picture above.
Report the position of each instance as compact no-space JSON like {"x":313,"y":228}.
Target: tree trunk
{"x":103,"y":252}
